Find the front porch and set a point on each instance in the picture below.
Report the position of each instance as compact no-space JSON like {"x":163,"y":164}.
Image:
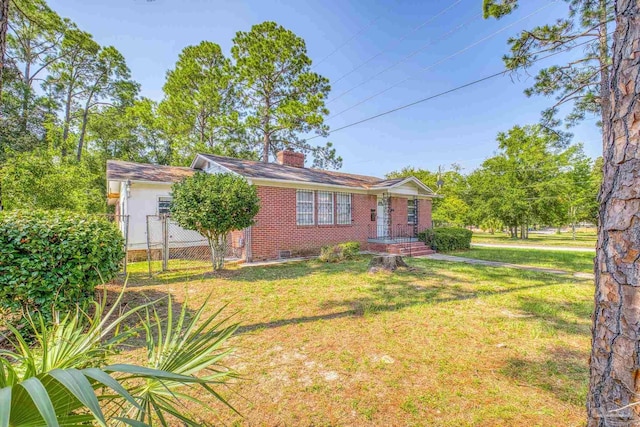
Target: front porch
{"x":398,"y":240}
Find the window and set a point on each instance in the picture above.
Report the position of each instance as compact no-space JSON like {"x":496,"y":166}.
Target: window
{"x":412,"y":211}
{"x":164,"y":205}
{"x":304,"y":207}
{"x":343,"y":205}
{"x":325,"y":207}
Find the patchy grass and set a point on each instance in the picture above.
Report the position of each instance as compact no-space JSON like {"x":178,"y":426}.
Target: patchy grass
{"x":585,"y":239}
{"x":442,"y":344}
{"x":561,"y":260}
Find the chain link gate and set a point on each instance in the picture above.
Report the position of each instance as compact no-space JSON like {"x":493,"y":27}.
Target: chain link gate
{"x":171,"y":247}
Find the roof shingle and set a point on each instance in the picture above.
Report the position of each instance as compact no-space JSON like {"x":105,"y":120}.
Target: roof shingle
{"x":259,"y":170}
{"x":118,"y":170}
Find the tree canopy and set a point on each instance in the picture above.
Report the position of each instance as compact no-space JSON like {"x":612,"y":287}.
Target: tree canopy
{"x":282,"y":98}
{"x":583,"y":82}
{"x":533,"y":179}
{"x":73,"y":101}
{"x":214,"y":205}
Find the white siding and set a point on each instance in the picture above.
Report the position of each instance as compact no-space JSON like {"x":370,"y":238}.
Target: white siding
{"x":142,"y":201}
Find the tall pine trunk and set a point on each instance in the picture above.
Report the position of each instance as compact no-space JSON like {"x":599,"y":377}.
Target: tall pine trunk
{"x":266,"y":139}
{"x":615,"y":355}
{"x":4,"y":25}
{"x":67,"y":122}
{"x":83,"y":127}
{"x":83,"y":131}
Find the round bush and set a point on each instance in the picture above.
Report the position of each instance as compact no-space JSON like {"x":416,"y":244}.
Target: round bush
{"x":53,"y":260}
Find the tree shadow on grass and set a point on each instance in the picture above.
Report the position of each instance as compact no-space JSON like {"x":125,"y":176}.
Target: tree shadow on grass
{"x":134,"y":298}
{"x":285,"y":271}
{"x":426,"y":282}
{"x":573,"y":317}
{"x":403,"y":289}
{"x":563,"y":372}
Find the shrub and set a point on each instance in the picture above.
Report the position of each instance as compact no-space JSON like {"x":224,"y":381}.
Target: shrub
{"x":214,"y":205}
{"x":53,"y":260}
{"x":340,"y":252}
{"x":446,"y":239}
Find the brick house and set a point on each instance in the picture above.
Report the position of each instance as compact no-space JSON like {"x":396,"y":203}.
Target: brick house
{"x":301,"y":209}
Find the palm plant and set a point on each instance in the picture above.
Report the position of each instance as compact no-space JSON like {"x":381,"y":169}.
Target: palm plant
{"x":63,"y":379}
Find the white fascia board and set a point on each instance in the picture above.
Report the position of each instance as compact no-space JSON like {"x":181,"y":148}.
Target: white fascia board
{"x":195,"y":161}
{"x":200,"y":157}
{"x":393,"y":193}
{"x":307,"y":185}
{"x":412,"y":179}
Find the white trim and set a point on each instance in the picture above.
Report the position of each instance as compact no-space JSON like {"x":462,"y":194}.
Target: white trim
{"x":350,"y":198}
{"x":333,"y":207}
{"x":285,"y":183}
{"x":405,"y":181}
{"x":207,"y":160}
{"x":313,"y":208}
{"x":142,"y":181}
{"x":415,"y":212}
{"x":302,"y":185}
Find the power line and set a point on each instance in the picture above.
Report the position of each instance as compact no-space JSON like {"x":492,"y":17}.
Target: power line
{"x":396,"y":42}
{"x":437,"y":95}
{"x":438,"y":62}
{"x":416,"y":102}
{"x":409,"y":56}
{"x":349,"y":40}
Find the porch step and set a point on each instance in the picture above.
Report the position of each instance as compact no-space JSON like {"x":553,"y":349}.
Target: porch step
{"x":412,"y":248}
{"x":419,"y":252}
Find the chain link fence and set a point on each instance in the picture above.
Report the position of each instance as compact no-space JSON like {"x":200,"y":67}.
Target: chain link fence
{"x":171,"y":247}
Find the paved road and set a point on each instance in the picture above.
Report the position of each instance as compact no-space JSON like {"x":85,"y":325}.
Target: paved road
{"x":544,"y":248}
{"x":451,"y":258}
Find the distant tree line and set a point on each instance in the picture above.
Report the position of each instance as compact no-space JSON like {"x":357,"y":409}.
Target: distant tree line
{"x":67,"y":104}
{"x":534,"y":179}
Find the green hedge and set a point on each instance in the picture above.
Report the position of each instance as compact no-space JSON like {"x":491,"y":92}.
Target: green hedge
{"x":53,"y":260}
{"x":340,"y":252}
{"x":446,"y":239}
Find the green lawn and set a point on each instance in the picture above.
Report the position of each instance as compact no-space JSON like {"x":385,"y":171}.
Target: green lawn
{"x":442,"y":344}
{"x":561,"y":260}
{"x":585,"y":238}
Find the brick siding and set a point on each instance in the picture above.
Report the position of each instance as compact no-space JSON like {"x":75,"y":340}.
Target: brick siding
{"x":424,"y":214}
{"x":276,"y":230}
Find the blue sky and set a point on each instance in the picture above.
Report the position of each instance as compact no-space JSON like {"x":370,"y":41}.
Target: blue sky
{"x":457,"y":128}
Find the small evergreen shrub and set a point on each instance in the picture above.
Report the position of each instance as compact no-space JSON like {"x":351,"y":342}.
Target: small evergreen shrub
{"x":446,"y":239}
{"x":53,"y":260}
{"x":339,"y":252}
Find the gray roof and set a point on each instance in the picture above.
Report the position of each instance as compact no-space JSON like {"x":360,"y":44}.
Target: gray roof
{"x":122,"y":171}
{"x":118,"y":170}
{"x":259,"y":170}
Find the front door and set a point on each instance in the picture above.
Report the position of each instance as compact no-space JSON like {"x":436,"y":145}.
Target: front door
{"x":383,"y":217}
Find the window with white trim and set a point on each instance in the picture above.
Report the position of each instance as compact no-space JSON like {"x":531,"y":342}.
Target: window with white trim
{"x":164,"y":205}
{"x":343,"y":208}
{"x":304,"y":207}
{"x":325,"y":207}
{"x":411,"y":211}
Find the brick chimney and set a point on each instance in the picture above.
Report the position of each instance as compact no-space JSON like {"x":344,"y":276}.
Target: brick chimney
{"x":290,"y":158}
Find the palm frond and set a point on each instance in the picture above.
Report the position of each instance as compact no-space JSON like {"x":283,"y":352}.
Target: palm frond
{"x":61,"y":379}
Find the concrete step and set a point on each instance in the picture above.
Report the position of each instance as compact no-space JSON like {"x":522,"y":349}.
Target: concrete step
{"x":421,"y":252}
{"x":413,"y":248}
{"x":407,"y":245}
